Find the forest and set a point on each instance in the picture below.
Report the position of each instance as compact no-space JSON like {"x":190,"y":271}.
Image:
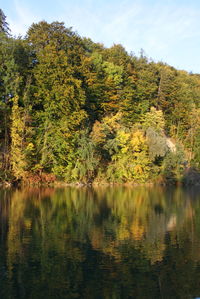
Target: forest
{"x":75,"y":111}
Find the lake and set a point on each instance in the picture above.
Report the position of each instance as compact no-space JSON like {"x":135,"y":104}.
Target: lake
{"x":100,"y":242}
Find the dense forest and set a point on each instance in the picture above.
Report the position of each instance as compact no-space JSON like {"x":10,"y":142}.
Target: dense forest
{"x":72,"y":110}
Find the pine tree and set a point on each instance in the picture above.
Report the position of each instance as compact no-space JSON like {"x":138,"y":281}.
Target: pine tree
{"x":4,"y":27}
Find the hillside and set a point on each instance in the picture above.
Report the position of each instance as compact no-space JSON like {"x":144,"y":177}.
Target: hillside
{"x":75,"y":111}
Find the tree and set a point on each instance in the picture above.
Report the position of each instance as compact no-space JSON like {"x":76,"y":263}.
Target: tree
{"x":18,"y":162}
{"x":61,"y":100}
{"x":4,"y":27}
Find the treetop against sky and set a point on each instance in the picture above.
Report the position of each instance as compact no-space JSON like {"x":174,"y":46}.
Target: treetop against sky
{"x":168,"y":31}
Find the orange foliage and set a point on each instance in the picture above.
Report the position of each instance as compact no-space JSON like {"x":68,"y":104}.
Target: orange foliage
{"x":44,"y":178}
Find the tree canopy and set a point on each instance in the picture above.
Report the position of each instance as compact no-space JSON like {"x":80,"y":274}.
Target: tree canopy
{"x":74,"y":110}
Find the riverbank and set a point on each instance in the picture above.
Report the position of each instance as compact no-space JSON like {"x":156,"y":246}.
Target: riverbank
{"x":191,"y":177}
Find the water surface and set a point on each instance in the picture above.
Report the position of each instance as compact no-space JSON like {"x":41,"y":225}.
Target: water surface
{"x":114,"y":242}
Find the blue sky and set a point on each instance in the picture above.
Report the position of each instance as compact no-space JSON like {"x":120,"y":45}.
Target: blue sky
{"x":168,"y":31}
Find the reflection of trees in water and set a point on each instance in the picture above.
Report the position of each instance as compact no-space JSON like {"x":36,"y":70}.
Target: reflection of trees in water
{"x":95,"y":234}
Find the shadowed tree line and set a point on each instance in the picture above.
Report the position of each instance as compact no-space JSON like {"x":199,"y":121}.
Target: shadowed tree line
{"x":76,"y":111}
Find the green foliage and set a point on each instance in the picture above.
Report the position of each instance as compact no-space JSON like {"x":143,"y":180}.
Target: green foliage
{"x":196,"y":152}
{"x":87,"y":160}
{"x":4,"y":27}
{"x":157,"y":144}
{"x":173,"y":166}
{"x":154,"y":120}
{"x":76,"y":110}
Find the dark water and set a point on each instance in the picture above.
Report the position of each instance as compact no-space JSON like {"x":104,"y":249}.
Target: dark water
{"x":116,"y":242}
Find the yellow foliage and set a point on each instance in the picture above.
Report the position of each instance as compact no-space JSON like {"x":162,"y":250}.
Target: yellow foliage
{"x":138,"y":169}
{"x":98,"y":135}
{"x":138,"y":142}
{"x":154,"y":119}
{"x":123,"y":138}
{"x":30,"y":146}
{"x":112,"y":121}
{"x":17,"y":143}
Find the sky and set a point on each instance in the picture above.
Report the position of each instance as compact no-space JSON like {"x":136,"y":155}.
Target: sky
{"x":167,"y":30}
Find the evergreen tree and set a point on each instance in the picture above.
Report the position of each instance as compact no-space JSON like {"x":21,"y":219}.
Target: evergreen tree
{"x":4,"y":27}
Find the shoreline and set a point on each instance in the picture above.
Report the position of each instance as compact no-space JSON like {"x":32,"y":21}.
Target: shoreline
{"x":10,"y":184}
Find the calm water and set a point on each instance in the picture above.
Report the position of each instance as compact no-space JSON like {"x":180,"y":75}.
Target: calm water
{"x":115,"y":242}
